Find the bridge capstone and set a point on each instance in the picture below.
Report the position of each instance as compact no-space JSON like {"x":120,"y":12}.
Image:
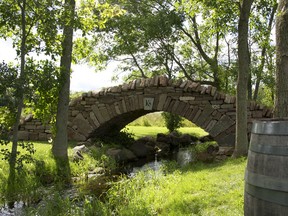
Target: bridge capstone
{"x":100,"y":113}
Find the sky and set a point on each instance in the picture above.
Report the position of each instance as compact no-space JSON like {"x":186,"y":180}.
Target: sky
{"x":83,"y":78}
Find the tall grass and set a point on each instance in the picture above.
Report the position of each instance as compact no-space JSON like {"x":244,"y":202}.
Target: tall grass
{"x":214,"y":189}
{"x":196,"y":189}
{"x":42,"y":172}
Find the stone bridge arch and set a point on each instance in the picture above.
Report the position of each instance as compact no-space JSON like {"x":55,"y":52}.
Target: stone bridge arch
{"x":99,"y":113}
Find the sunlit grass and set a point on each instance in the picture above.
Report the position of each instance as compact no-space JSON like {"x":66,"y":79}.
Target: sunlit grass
{"x":200,"y":189}
{"x":140,"y":131}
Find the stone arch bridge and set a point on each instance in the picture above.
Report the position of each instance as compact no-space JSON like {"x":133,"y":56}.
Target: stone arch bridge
{"x":113,"y":108}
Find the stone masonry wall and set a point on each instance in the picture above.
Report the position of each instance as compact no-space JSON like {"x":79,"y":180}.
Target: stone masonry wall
{"x":33,"y":129}
{"x":96,"y":113}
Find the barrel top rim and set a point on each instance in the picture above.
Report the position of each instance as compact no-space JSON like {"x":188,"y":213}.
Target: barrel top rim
{"x":270,"y":126}
{"x":271,"y":120}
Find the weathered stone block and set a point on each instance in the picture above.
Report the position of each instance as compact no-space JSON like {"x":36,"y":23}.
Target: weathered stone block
{"x":104,"y":113}
{"x":163,"y":81}
{"x":40,"y":127}
{"x":257,"y":114}
{"x":43,"y":137}
{"x":82,"y":124}
{"x":30,"y":127}
{"x":23,"y":135}
{"x":230,"y":99}
{"x":216,"y":102}
{"x":186,"y":98}
{"x":94,"y":119}
{"x":73,"y":135}
{"x":224,"y":123}
{"x":97,"y":113}
{"x":33,"y":136}
{"x":205,"y":114}
{"x":203,"y":90}
{"x":227,"y":106}
{"x":155,"y":81}
{"x":162,"y":100}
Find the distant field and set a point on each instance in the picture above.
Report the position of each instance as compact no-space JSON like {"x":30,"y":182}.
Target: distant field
{"x":140,"y":131}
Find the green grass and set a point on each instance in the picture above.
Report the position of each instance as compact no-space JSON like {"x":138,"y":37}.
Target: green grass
{"x":197,"y":189}
{"x":42,"y":171}
{"x":156,"y":119}
{"x":200,"y":189}
{"x":140,"y":131}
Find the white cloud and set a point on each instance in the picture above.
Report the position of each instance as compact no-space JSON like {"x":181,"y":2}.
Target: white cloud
{"x":7,"y":53}
{"x":83,"y":78}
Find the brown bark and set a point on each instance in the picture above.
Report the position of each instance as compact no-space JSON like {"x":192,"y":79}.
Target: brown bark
{"x":281,"y":95}
{"x":211,"y":61}
{"x":241,"y":145}
{"x":20,"y":104}
{"x":263,"y":54}
{"x":60,"y":144}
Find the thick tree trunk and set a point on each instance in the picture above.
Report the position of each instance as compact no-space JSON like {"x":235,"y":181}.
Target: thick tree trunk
{"x":60,"y":144}
{"x":241,"y":145}
{"x":281,"y":96}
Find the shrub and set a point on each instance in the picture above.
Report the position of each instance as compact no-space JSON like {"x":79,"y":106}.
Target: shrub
{"x":172,"y":121}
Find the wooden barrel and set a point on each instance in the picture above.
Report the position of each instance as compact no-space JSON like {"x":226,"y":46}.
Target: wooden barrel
{"x":266,"y":177}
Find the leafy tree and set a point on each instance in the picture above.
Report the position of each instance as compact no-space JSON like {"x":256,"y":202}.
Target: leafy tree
{"x":24,"y":22}
{"x":91,"y":16}
{"x":142,"y":38}
{"x":172,"y":121}
{"x":260,"y":46}
{"x":281,"y":97}
{"x":8,"y":83}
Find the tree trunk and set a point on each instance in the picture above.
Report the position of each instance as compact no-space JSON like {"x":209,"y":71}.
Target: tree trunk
{"x":20,"y":104}
{"x":60,"y":144}
{"x":281,"y":95}
{"x":241,"y":145}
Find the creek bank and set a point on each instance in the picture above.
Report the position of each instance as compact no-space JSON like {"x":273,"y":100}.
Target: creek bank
{"x":165,"y":146}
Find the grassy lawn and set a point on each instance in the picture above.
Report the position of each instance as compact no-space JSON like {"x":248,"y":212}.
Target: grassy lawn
{"x":140,"y":131}
{"x":197,"y":189}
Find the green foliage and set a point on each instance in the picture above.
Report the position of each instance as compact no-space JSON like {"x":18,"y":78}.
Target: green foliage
{"x":74,"y":95}
{"x":202,"y":147}
{"x":56,"y":205}
{"x":26,"y":155}
{"x":172,"y":121}
{"x":44,"y":88}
